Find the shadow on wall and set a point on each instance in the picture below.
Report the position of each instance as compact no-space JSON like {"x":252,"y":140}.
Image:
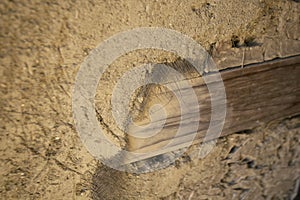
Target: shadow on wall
{"x":107,"y":183}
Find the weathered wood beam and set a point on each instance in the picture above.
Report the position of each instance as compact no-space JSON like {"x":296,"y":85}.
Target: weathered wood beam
{"x":256,"y":94}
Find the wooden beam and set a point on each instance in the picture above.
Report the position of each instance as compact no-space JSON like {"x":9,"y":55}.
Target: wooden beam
{"x":256,"y":94}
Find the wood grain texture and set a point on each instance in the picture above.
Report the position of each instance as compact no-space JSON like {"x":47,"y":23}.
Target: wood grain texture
{"x":256,"y":94}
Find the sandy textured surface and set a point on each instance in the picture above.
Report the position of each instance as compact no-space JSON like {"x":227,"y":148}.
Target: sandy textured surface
{"x":42,"y":46}
{"x":263,"y":164}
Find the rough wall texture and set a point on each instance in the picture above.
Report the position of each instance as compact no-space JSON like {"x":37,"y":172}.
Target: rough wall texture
{"x":263,"y":164}
{"x":42,"y":46}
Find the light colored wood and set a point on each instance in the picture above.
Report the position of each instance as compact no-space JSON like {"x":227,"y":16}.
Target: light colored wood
{"x":256,"y":94}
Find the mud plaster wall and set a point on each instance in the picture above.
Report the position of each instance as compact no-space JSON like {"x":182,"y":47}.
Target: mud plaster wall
{"x":42,"y":46}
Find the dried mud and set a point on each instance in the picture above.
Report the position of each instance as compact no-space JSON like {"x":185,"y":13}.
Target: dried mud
{"x":42,"y":46}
